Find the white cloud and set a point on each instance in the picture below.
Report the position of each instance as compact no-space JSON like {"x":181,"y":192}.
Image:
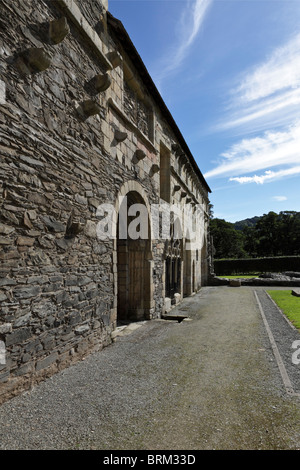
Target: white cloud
{"x":269,"y":93}
{"x":280,"y":72}
{"x":280,"y":109}
{"x":189,"y":26}
{"x":273,"y":149}
{"x":199,"y":11}
{"x":254,"y":179}
{"x":267,"y":97}
{"x":280,"y":198}
{"x":268,"y":176}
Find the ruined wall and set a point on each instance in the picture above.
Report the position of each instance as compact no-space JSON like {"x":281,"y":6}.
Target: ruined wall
{"x":62,"y":154}
{"x":56,"y":291}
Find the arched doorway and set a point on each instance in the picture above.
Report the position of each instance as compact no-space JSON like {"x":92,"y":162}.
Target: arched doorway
{"x":173,"y":260}
{"x":173,"y":268}
{"x":134,"y":265}
{"x":204,"y":263}
{"x":193,"y":277}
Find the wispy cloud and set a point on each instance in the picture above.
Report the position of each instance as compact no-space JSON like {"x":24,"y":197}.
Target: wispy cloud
{"x":280,"y":198}
{"x":268,"y":176}
{"x":273,"y":149}
{"x":270,"y":91}
{"x":199,"y":9}
{"x":267,"y":97}
{"x":189,"y":25}
{"x":280,"y":72}
{"x":275,"y":111}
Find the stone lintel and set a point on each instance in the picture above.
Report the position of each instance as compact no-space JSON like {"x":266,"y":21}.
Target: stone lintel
{"x":113,"y":105}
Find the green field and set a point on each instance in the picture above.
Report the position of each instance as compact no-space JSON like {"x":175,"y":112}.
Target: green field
{"x":289,"y":304}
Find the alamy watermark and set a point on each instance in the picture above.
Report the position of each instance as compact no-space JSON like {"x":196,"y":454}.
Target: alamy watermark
{"x":296,"y":354}
{"x":2,"y":353}
{"x":160,"y":221}
{"x":2,"y":92}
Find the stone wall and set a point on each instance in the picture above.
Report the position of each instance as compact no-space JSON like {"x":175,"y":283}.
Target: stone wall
{"x":60,"y":159}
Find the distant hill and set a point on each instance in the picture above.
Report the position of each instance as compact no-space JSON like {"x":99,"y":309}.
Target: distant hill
{"x":246,"y":223}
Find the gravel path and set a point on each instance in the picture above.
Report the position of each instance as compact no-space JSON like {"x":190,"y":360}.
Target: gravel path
{"x":209,"y":382}
{"x":284,"y":337}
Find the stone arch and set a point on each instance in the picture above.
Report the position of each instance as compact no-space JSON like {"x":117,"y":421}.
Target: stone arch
{"x":193,"y":276}
{"x":204,"y":263}
{"x":187,"y":279}
{"x":125,"y":189}
{"x":134,"y":265}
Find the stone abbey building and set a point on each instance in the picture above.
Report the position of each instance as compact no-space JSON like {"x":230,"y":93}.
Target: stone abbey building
{"x":104,"y":211}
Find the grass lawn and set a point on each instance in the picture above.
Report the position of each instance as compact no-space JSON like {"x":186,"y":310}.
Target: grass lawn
{"x":288,"y":303}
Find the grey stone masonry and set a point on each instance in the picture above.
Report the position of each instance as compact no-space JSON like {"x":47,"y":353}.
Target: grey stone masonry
{"x":69,"y":88}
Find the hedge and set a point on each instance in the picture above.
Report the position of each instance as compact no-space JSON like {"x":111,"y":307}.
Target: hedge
{"x":227,"y":267}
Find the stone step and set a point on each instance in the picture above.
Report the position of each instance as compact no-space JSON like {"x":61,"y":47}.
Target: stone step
{"x":296,"y":292}
{"x":125,"y":330}
{"x":176,"y":317}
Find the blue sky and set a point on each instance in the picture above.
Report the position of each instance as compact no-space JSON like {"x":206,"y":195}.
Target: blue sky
{"x":229,"y":72}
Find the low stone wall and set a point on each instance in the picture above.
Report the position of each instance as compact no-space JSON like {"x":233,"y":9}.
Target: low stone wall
{"x":268,"y":279}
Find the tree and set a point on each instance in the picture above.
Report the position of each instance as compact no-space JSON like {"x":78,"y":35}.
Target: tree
{"x":228,"y":242}
{"x":267,"y":234}
{"x":289,"y":232}
{"x":272,"y":235}
{"x":278,"y":234}
{"x":250,"y":241}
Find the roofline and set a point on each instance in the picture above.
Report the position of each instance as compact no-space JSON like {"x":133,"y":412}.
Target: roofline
{"x":128,"y":45}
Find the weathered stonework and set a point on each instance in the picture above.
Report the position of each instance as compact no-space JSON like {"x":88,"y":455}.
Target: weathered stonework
{"x":82,"y":125}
